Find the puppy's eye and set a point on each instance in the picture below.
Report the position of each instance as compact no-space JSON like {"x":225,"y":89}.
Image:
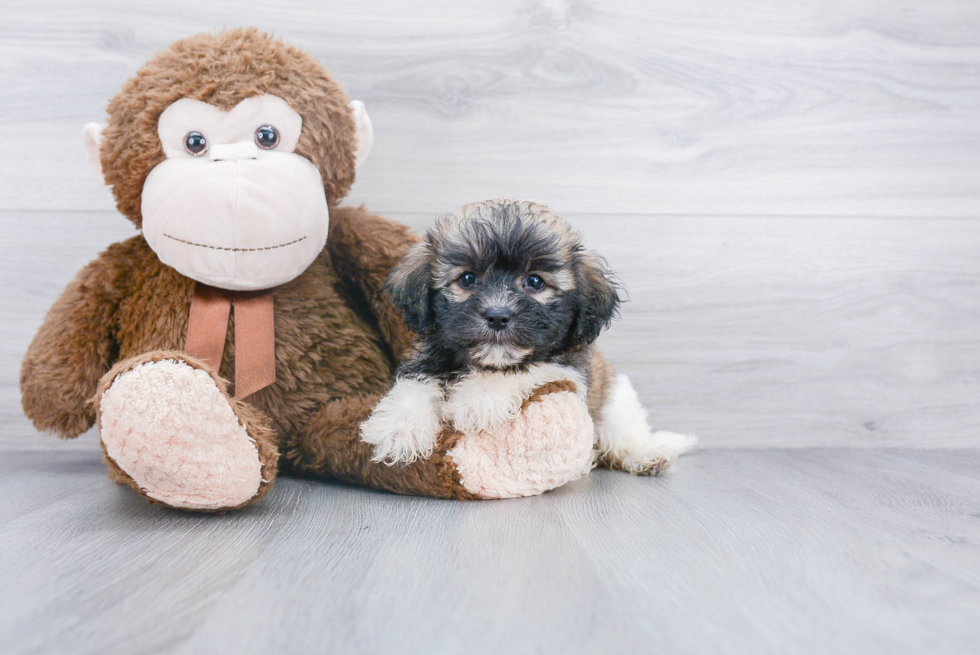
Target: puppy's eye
{"x":195,"y":143}
{"x":467,"y":279}
{"x":267,"y":137}
{"x":534,"y":283}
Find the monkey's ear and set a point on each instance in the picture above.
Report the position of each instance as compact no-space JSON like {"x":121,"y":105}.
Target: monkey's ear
{"x":408,"y":286}
{"x":598,"y":298}
{"x":364,"y":131}
{"x":92,"y":139}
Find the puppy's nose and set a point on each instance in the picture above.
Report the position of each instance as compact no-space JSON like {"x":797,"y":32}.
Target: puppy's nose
{"x":498,"y":318}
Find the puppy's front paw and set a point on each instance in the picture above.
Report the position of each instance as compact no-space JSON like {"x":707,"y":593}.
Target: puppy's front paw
{"x":484,"y":402}
{"x":406,"y":423}
{"x":487,"y":400}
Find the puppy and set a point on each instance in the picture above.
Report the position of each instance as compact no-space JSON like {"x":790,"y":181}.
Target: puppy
{"x":504,"y":298}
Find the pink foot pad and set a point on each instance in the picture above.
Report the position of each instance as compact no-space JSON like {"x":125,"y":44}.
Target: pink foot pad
{"x":169,"y":427}
{"x":547,"y":445}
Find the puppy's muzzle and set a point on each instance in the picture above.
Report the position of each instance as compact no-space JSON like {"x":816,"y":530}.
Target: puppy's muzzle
{"x":498,"y":318}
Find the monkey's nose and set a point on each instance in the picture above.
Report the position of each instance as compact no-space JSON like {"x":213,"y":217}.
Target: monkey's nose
{"x":232,"y":151}
{"x":498,"y":318}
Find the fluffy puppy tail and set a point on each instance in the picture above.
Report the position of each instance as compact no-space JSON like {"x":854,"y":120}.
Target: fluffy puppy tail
{"x":625,"y":440}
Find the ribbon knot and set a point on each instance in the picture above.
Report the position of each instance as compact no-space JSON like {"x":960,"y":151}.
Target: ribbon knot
{"x":255,"y":334}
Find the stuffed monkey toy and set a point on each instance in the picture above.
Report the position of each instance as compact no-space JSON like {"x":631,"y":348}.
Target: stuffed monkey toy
{"x":244,"y":331}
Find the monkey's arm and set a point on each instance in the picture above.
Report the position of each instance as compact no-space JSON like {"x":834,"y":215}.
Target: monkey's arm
{"x":73,"y":349}
{"x":363,"y":248}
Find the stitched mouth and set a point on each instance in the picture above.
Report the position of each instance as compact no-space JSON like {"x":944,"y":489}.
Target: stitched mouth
{"x":204,"y":245}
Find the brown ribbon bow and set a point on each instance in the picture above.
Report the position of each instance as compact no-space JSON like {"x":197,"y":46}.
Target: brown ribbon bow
{"x":255,"y":334}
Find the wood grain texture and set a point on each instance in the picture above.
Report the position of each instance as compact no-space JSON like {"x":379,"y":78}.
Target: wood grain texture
{"x":867,"y":108}
{"x":783,"y":332}
{"x":811,"y":551}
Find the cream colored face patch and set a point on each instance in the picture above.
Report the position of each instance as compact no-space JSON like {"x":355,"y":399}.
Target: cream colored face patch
{"x":231,"y":207}
{"x":545,"y":296}
{"x":446,"y":275}
{"x":498,"y":355}
{"x":561,"y":279}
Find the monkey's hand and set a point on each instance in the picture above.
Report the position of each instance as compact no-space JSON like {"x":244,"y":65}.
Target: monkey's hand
{"x":484,"y":401}
{"x":405,"y":425}
{"x":73,"y":348}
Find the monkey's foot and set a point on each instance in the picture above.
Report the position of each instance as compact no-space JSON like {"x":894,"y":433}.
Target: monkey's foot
{"x":548,"y":444}
{"x":170,"y":428}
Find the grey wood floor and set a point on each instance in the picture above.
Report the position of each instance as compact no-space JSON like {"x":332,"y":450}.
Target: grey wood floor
{"x":738,"y":551}
{"x":790,"y":193}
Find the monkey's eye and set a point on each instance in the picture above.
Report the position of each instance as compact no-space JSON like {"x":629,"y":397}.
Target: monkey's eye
{"x":534,"y":282}
{"x":467,"y":279}
{"x":195,"y":143}
{"x":267,"y":137}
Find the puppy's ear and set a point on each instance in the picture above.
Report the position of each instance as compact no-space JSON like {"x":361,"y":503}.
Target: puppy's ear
{"x":597,"y":295}
{"x":408,"y":286}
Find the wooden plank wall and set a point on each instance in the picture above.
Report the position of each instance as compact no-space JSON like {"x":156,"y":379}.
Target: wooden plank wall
{"x":788,"y":189}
